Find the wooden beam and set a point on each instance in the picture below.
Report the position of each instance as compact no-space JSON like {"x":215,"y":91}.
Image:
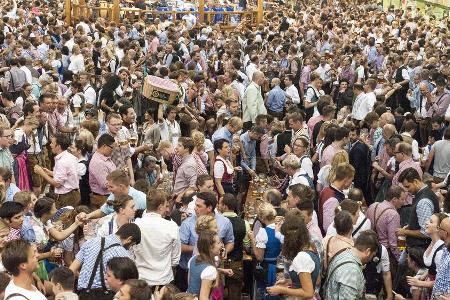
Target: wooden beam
{"x":68,"y":11}
{"x":260,"y":14}
{"x":201,"y":12}
{"x":116,"y":11}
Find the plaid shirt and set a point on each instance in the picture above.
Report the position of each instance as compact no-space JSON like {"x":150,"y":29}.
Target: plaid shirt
{"x":347,"y":281}
{"x":388,"y":221}
{"x":88,"y":255}
{"x":442,"y":282}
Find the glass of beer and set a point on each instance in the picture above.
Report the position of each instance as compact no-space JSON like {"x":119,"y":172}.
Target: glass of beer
{"x":133,"y":139}
{"x":401,"y":242}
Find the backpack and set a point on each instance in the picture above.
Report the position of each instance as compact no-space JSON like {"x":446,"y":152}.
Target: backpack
{"x":374,"y":280}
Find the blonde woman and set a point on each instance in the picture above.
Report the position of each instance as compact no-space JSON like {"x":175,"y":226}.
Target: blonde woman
{"x":328,"y":172}
{"x":199,"y":153}
{"x":266,"y":247}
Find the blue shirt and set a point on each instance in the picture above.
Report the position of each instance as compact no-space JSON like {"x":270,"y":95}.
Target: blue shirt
{"x":276,"y":99}
{"x":442,"y":282}
{"x":222,"y":133}
{"x":188,"y":236}
{"x":250,"y":150}
{"x":11,"y":191}
{"x":27,"y":231}
{"x":88,"y":255}
{"x":140,"y":201}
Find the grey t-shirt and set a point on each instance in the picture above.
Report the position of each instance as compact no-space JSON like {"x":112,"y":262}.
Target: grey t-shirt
{"x":441,"y":164}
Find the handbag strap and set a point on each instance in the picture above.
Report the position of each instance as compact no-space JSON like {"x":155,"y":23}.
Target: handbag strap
{"x":359,"y":227}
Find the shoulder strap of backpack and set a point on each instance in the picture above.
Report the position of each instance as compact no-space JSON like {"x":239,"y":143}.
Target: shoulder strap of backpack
{"x":359,"y":227}
{"x":334,"y":270}
{"x":16,"y":295}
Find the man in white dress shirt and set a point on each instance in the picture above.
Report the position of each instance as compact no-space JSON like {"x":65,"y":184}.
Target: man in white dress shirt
{"x":160,"y":246}
{"x":361,"y":106}
{"x":291,"y":91}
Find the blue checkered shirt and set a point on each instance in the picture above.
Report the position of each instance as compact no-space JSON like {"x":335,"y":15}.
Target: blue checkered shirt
{"x":442,"y":282}
{"x":88,"y":255}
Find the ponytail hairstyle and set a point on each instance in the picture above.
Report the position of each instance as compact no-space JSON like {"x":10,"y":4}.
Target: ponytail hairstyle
{"x":296,"y":235}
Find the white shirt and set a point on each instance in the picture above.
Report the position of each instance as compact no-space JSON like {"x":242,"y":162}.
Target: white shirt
{"x":324,"y":73}
{"x":90,"y":96}
{"x":292,"y":93}
{"x":170,"y":129}
{"x":251,"y":68}
{"x":76,"y":63}
{"x":437,"y":259}
{"x":14,"y":289}
{"x":159,"y":250}
{"x":362,"y":106}
{"x":299,"y":178}
{"x":366,"y":226}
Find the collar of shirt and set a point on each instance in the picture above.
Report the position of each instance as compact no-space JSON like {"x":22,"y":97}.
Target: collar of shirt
{"x":230,"y":214}
{"x":405,"y":162}
{"x":152,"y":215}
{"x":102,"y":157}
{"x":59,"y":156}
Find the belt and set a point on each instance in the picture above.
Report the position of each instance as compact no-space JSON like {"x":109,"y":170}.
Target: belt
{"x":97,"y":194}
{"x":75,"y":190}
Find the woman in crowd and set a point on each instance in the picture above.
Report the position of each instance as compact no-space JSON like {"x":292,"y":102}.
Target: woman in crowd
{"x":266,"y":248}
{"x":361,"y":223}
{"x":223,"y":169}
{"x":304,"y":269}
{"x":432,"y":255}
{"x":124,"y":212}
{"x":202,"y":271}
{"x":328,"y":172}
{"x":45,"y":231}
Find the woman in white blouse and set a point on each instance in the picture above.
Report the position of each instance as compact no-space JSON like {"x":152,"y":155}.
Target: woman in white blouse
{"x":125,"y":211}
{"x":433,"y":254}
{"x":76,"y":60}
{"x":305,"y":260}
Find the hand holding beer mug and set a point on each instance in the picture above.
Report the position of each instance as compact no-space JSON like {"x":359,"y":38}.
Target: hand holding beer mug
{"x":401,"y":238}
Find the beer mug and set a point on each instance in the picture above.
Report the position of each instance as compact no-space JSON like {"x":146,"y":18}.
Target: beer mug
{"x":401,"y":242}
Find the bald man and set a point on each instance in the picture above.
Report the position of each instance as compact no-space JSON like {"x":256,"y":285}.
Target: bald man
{"x":388,"y":131}
{"x":276,"y":99}
{"x":253,"y":103}
{"x":442,"y":282}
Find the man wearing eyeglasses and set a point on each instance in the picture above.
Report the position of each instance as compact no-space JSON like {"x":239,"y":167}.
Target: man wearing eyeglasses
{"x":442,"y":281}
{"x":99,"y":167}
{"x":6,"y":139}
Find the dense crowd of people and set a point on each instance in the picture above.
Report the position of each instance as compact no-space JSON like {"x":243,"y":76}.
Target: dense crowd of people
{"x":306,"y":157}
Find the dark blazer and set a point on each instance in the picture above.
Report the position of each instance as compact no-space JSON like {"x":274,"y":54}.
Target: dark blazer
{"x":359,"y":156}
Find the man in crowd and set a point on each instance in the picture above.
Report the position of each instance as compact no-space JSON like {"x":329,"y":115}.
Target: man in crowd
{"x":93,"y":256}
{"x":205,"y":205}
{"x":345,"y":279}
{"x":424,"y":205}
{"x":64,"y":177}
{"x":20,"y":259}
{"x":385,"y":220}
{"x":99,"y":166}
{"x":160,"y":247}
{"x":253,"y":103}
